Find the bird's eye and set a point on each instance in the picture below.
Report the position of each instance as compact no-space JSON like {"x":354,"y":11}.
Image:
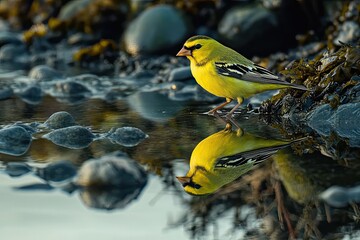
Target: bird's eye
{"x":197,"y":46}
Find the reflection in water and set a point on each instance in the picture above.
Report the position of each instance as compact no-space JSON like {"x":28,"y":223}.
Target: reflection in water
{"x":224,"y":156}
{"x":110,"y":182}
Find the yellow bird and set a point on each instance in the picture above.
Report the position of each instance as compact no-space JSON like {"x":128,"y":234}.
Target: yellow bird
{"x":226,"y":73}
{"x":224,"y":156}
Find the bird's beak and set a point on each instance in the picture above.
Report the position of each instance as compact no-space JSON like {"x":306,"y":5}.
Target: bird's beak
{"x":183,"y":180}
{"x":183,"y":52}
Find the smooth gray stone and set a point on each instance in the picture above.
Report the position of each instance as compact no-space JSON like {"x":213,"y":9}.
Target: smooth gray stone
{"x":14,"y":140}
{"x":60,"y":120}
{"x":74,"y":137}
{"x":126,"y":136}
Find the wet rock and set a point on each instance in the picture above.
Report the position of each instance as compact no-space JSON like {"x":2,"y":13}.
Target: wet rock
{"x":126,"y":136}
{"x":345,"y":122}
{"x":57,"y":172}
{"x":60,"y":120}
{"x":353,"y":95}
{"x":113,"y":170}
{"x":141,"y":37}
{"x":82,"y":39}
{"x":180,"y":74}
{"x":31,"y":128}
{"x":14,"y":140}
{"x":70,"y":88}
{"x":244,"y":28}
{"x":319,"y":119}
{"x":72,"y":8}
{"x":74,"y":137}
{"x":9,"y":38}
{"x":44,"y":73}
{"x":12,"y":52}
{"x":17,"y":169}
{"x":31,"y":95}
{"x":6,"y":93}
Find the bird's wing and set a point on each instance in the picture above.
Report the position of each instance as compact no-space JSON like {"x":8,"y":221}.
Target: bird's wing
{"x":251,"y":73}
{"x":253,"y":156}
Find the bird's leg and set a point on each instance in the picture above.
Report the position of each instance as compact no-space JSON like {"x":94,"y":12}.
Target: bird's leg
{"x":240,"y":101}
{"x":213,"y":111}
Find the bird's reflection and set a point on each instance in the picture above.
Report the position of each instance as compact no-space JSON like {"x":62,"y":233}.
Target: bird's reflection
{"x":224,"y":156}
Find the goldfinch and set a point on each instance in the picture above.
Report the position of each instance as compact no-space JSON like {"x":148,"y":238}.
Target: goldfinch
{"x":223,"y":157}
{"x":226,"y":73}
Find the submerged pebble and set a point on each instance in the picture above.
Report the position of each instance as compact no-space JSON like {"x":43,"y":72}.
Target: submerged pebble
{"x":113,"y":170}
{"x":14,"y":140}
{"x":60,"y":120}
{"x":126,"y":136}
{"x":74,"y":137}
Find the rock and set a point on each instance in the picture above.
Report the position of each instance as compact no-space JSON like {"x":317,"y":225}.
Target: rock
{"x":12,"y":52}
{"x":32,"y":95}
{"x":72,"y":8}
{"x":111,"y":182}
{"x":180,"y":74}
{"x":74,"y":137}
{"x":155,"y":30}
{"x":6,"y":93}
{"x":70,"y":89}
{"x":31,"y":128}
{"x":319,"y":119}
{"x":60,"y":120}
{"x":17,"y":169}
{"x":14,"y":140}
{"x":44,"y":73}
{"x":57,"y":172}
{"x":113,"y":170}
{"x":345,"y":122}
{"x":245,"y":28}
{"x":126,"y":136}
{"x":10,"y":38}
